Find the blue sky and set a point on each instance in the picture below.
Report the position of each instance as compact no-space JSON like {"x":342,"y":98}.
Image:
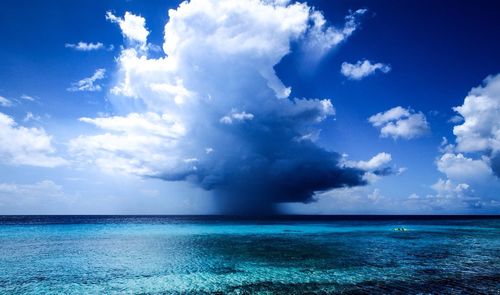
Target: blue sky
{"x":254,"y":105}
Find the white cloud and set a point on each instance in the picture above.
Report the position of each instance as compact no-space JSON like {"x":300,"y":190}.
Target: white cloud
{"x":235,"y":116}
{"x":4,"y":102}
{"x":462,"y":169}
{"x":352,"y":200}
{"x":88,"y":84}
{"x":28,"y":97}
{"x":378,"y":161}
{"x":446,"y":186}
{"x":395,"y":113}
{"x":45,"y":188}
{"x":30,"y":117}
{"x":448,"y":197}
{"x":45,"y":196}
{"x":149,"y":123}
{"x":456,"y":119}
{"x":374,"y":168}
{"x":375,"y":196}
{"x":471,"y":165}
{"x":84,"y":46}
{"x":138,"y":143}
{"x":452,"y":196}
{"x":320,"y":38}
{"x":362,"y":69}
{"x":26,"y":146}
{"x":132,"y":26}
{"x":480,"y":130}
{"x":399,"y":122}
{"x":469,"y":184}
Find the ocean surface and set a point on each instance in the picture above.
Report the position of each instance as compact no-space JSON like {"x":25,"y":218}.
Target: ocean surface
{"x":230,"y":255}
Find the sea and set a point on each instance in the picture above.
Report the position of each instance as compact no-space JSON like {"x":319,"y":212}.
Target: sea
{"x":250,"y":255}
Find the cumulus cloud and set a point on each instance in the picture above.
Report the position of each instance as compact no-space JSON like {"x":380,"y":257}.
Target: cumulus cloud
{"x":448,"y":197}
{"x":84,"y":46}
{"x":137,"y":143}
{"x":469,"y":184}
{"x":89,"y":84}
{"x":399,"y":122}
{"x":480,"y":130}
{"x":376,"y":162}
{"x":362,"y":69}
{"x":473,"y":189}
{"x":449,"y":193}
{"x":4,"y":102}
{"x":133,"y":27}
{"x":213,"y":112}
{"x":464,"y":169}
{"x":471,"y":164}
{"x":320,"y":37}
{"x":374,"y":168}
{"x":20,"y":145}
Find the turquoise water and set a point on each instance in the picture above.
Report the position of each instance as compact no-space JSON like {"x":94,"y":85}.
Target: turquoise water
{"x":292,"y":255}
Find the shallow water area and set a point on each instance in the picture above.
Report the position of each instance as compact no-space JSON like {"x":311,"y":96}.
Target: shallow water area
{"x":287,"y":255}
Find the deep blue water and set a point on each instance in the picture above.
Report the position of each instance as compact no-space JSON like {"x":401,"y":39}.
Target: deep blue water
{"x":285,"y":255}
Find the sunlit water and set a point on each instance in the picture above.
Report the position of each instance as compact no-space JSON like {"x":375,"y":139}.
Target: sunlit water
{"x":158,"y":255}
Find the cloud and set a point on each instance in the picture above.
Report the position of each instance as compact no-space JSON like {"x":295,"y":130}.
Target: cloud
{"x":399,"y":122}
{"x":469,"y":186}
{"x":133,"y":27}
{"x":354,"y":199}
{"x":213,"y":112}
{"x":363,"y":69}
{"x":374,"y":168}
{"x":447,"y":198}
{"x":456,"y":119}
{"x":88,"y":84}
{"x":31,"y":117}
{"x":480,"y":130}
{"x":376,"y":162}
{"x":84,"y":46}
{"x":28,"y":97}
{"x":471,"y":165}
{"x":45,"y":188}
{"x":235,"y":116}
{"x":470,"y":183}
{"x":320,"y":37}
{"x":4,"y":102}
{"x":26,"y":146}
{"x":450,"y":194}
{"x":140,"y":144}
{"x":32,"y":198}
{"x":464,"y":169}
{"x":450,"y":197}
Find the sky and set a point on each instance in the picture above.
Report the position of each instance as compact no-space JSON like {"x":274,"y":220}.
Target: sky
{"x":249,"y":107}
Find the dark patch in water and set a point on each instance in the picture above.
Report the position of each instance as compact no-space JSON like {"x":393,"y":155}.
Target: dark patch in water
{"x":447,"y":285}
